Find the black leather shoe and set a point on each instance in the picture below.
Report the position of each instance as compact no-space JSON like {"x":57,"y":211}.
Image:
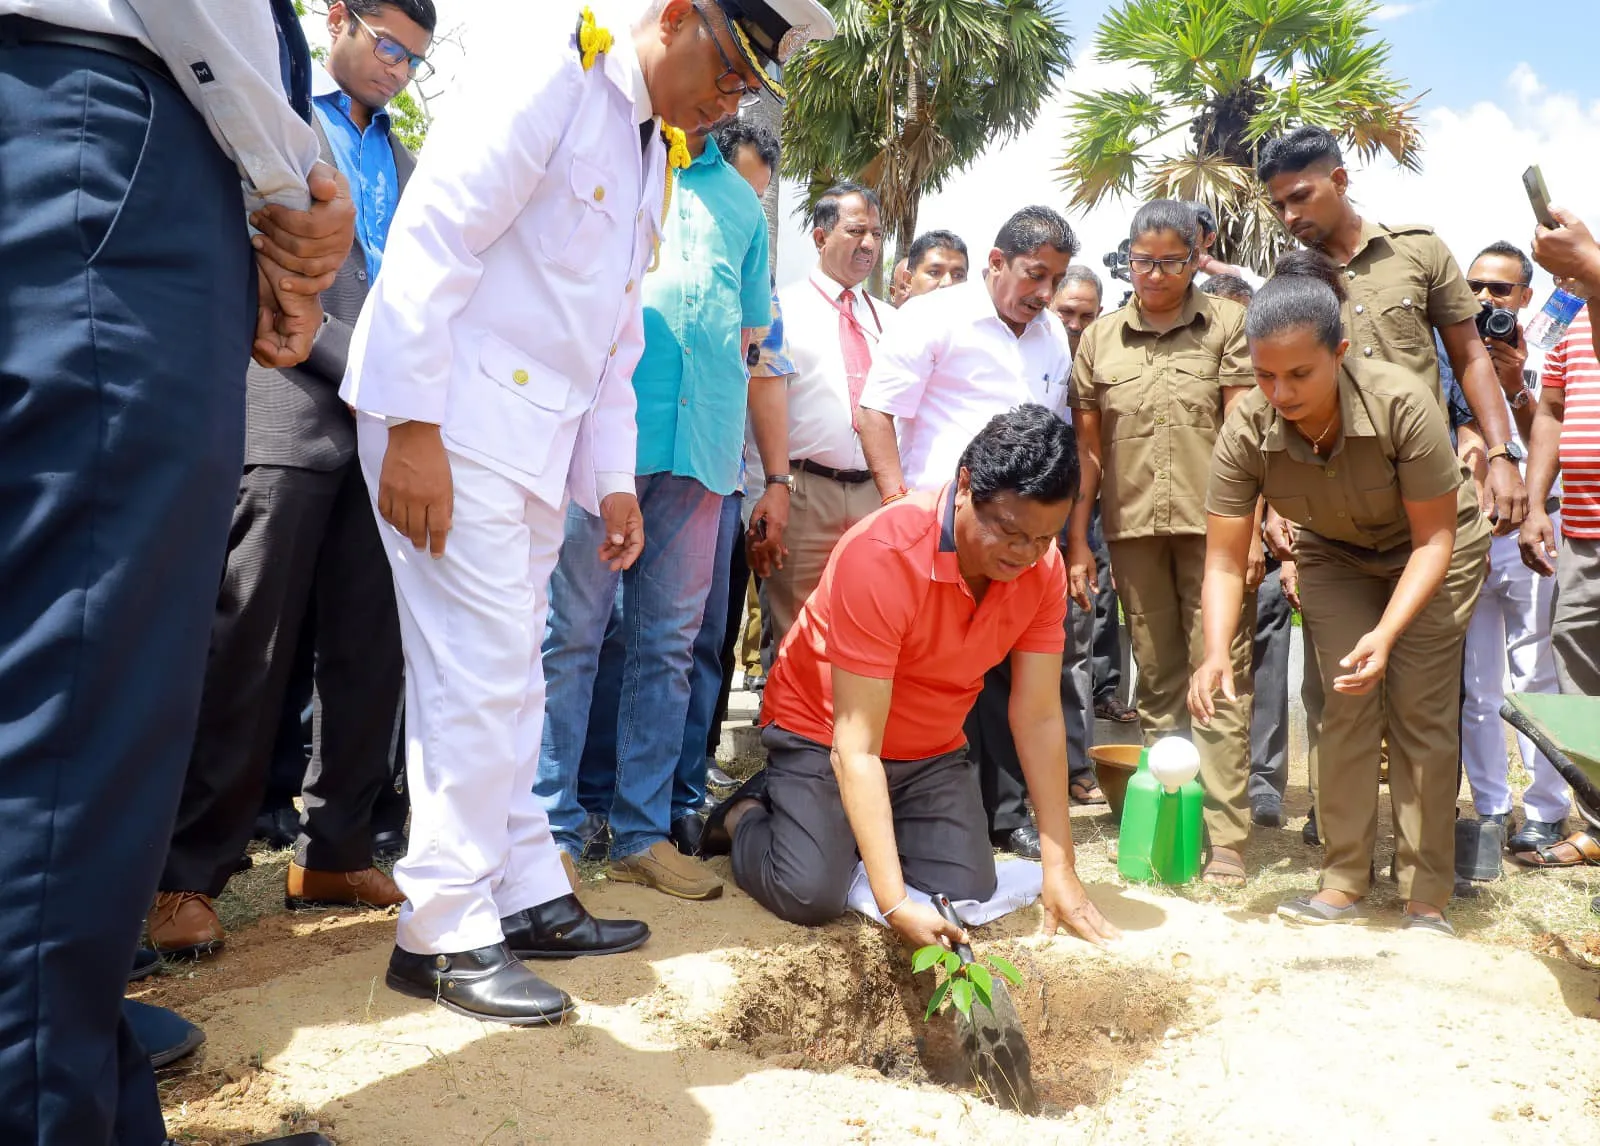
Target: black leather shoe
{"x":714,"y":837}
{"x":166,"y":1036}
{"x":1266,"y":812}
{"x":389,"y":847}
{"x":1535,"y":834}
{"x":489,"y":983}
{"x":564,"y":929}
{"x":1308,"y":834}
{"x":686,"y":831}
{"x":145,"y":962}
{"x":595,"y":836}
{"x":1023,"y":841}
{"x":278,"y":829}
{"x":717,"y":778}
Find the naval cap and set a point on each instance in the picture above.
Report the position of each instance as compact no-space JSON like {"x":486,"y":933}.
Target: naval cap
{"x":772,"y":31}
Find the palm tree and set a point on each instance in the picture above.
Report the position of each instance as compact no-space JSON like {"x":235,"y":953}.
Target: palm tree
{"x":1234,"y":72}
{"x":912,"y":91}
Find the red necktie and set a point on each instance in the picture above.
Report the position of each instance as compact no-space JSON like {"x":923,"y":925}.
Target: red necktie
{"x":857,"y":354}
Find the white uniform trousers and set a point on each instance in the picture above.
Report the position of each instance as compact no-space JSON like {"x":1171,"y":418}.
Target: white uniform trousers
{"x":1508,"y":639}
{"x":471,"y":623}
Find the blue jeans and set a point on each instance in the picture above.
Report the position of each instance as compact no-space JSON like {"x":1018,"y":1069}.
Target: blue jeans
{"x":663,"y":602}
{"x":705,"y":678}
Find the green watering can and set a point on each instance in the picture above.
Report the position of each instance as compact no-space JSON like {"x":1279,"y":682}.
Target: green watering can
{"x":1161,"y":838}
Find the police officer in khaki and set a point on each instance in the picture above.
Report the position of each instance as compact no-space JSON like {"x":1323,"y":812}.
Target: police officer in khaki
{"x":1391,"y":548}
{"x":1150,"y":385}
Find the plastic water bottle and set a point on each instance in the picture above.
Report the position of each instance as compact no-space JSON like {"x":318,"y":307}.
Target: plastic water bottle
{"x":1550,"y":324}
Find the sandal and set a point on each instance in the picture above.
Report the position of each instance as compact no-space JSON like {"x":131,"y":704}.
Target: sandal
{"x":1577,"y":850}
{"x":1084,"y":790}
{"x":1435,"y":923}
{"x":1224,"y":870}
{"x":1313,"y":912}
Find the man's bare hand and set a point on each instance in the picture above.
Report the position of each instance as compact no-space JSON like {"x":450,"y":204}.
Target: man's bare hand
{"x":1255,"y":565}
{"x":1083,"y":580}
{"x":1279,"y":533}
{"x":921,"y":926}
{"x":309,"y":246}
{"x":1509,"y":493}
{"x":415,"y":493}
{"x":1538,"y":542}
{"x":773,"y":509}
{"x":1067,"y":904}
{"x":286,"y":324}
{"x":1289,"y":582}
{"x":624,"y":524}
{"x":1570,"y":251}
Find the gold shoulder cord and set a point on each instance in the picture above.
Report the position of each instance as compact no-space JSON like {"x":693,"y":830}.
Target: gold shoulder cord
{"x":593,"y":41}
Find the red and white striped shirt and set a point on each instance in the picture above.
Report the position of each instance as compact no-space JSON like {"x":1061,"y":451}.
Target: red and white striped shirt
{"x":1571,"y":366}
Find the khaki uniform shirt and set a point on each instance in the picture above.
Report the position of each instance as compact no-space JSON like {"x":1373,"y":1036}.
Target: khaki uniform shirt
{"x":1393,"y":447}
{"x":1403,"y":282}
{"x":1160,"y":397}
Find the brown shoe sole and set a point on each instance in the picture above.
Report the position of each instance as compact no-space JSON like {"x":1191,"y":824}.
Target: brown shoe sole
{"x":193,"y":951}
{"x":296,"y":903}
{"x":619,"y":874}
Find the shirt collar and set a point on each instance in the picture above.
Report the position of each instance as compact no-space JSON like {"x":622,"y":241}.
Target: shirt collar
{"x":622,"y":58}
{"x":832,"y":287}
{"x":325,"y":88}
{"x":1369,"y":232}
{"x":946,"y":564}
{"x":1354,"y":420}
{"x":710,"y":156}
{"x":1193,"y":310}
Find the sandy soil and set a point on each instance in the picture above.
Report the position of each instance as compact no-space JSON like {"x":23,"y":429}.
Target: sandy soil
{"x":1214,"y":1022}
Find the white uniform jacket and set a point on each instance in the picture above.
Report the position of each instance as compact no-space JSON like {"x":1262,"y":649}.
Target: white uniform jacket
{"x":508,"y":308}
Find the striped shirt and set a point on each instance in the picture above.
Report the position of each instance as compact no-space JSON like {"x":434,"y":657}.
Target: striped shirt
{"x":1571,"y":367}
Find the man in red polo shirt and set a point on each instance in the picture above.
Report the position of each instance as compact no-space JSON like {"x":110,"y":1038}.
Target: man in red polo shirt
{"x":865,"y":702}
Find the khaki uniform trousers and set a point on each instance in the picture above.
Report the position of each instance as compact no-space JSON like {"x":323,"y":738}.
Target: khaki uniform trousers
{"x":821,"y":510}
{"x":1158,"y":579}
{"x":1345,"y":590}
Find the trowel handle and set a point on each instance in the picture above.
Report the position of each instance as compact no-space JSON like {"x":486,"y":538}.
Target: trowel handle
{"x":942,"y":905}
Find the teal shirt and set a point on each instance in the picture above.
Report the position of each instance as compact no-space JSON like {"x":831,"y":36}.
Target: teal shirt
{"x":713,"y":281}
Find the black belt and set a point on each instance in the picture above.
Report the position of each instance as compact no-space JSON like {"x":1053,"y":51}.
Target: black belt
{"x":843,"y":477}
{"x":22,"y":30}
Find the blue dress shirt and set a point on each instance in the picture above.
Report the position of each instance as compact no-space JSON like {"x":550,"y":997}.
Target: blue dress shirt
{"x":367,"y":162}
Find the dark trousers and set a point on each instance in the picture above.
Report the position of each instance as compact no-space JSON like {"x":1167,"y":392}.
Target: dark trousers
{"x":297,"y":535}
{"x":1269,"y":718}
{"x":126,"y":313}
{"x":795,"y":855}
{"x":1107,"y":620}
{"x":732,"y":634}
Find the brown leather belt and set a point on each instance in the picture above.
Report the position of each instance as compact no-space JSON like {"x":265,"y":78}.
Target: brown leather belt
{"x":23,"y":30}
{"x":843,"y":477}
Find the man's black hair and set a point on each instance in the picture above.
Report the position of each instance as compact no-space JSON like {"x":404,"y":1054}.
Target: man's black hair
{"x":1032,"y":228}
{"x":1230,"y":286}
{"x":737,"y":133}
{"x":1028,"y":451}
{"x":1509,"y":251}
{"x":826,"y":213}
{"x":932,"y":241}
{"x":420,"y":12}
{"x":1305,"y":146}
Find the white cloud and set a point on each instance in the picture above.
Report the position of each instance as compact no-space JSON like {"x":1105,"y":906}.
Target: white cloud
{"x":1394,"y":11}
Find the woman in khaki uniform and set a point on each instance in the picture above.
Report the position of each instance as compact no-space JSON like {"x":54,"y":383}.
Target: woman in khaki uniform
{"x":1391,"y":554}
{"x":1150,"y":385}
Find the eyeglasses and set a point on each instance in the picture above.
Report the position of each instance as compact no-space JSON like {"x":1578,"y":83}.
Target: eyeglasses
{"x":1497,"y":289}
{"x":1013,"y":539}
{"x":392,"y":51}
{"x":1139,"y":264}
{"x":730,"y":82}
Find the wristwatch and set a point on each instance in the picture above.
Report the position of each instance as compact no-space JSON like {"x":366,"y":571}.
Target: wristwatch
{"x":1510,"y":451}
{"x":785,"y":480}
{"x":1521,"y":398}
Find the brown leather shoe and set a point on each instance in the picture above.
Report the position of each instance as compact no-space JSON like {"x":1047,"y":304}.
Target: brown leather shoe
{"x":571,"y":869}
{"x":665,"y":868}
{"x":368,"y":888}
{"x":184,"y":925}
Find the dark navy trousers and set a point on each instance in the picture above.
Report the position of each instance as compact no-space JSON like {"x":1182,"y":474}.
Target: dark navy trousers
{"x":126,"y":310}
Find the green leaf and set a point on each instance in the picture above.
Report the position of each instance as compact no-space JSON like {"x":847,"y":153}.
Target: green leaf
{"x":952,"y":962}
{"x":926,"y":957}
{"x":961,"y":995}
{"x":1006,"y":968}
{"x":938,"y":997}
{"x":981,"y":979}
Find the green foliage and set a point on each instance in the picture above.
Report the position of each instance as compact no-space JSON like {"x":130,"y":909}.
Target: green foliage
{"x":910,"y":92}
{"x":1233,"y":72}
{"x":962,"y":985}
{"x":409,"y":120}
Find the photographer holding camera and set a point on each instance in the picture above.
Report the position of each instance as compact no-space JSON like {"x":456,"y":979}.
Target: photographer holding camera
{"x":1500,"y":277}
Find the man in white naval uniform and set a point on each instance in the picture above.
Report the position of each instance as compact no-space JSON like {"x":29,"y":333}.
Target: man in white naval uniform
{"x":492,"y":372}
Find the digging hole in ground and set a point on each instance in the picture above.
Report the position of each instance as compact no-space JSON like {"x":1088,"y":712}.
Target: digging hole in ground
{"x":849,"y":999}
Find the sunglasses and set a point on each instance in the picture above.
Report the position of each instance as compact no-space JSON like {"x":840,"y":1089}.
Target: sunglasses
{"x":1497,"y":289}
{"x":392,"y":51}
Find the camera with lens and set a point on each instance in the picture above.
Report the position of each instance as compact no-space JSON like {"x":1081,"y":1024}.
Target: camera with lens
{"x":1498,"y":323}
{"x":1117,"y":261}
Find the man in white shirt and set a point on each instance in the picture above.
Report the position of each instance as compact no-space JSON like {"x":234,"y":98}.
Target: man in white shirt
{"x":955,"y":359}
{"x":959,"y":356}
{"x":128,"y":286}
{"x":492,"y":370}
{"x":832,"y":326}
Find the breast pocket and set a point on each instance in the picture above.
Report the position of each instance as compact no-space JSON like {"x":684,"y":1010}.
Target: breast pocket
{"x":582,"y":219}
{"x":509,"y":409}
{"x":1377,"y":506}
{"x":1403,"y":319}
{"x":1197,"y":394}
{"x":1124,"y":404}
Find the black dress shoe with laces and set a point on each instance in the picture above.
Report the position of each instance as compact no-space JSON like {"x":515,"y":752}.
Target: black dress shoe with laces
{"x":1023,"y":841}
{"x":564,"y":929}
{"x":490,"y":984}
{"x":686,"y":831}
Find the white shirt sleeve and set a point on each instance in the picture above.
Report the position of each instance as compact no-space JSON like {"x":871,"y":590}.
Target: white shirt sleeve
{"x":902,"y":363}
{"x":224,"y":54}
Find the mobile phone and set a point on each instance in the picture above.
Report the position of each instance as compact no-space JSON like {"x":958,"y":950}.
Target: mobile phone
{"x":758,"y":529}
{"x":1538,"y":196}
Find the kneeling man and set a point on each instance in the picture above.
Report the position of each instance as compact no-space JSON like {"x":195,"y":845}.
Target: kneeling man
{"x":865,"y":703}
